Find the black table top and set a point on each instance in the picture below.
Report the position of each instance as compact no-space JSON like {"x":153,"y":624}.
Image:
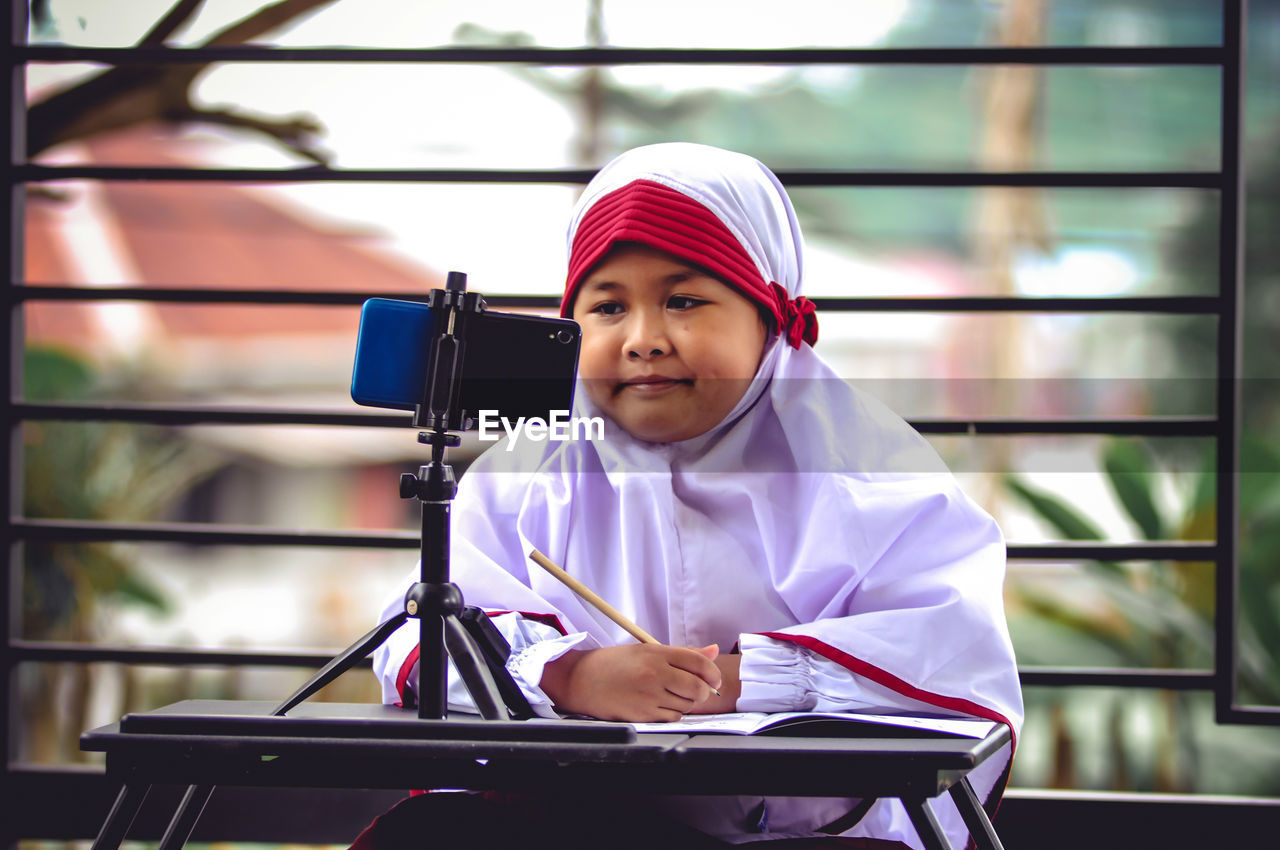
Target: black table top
{"x":376,"y":746}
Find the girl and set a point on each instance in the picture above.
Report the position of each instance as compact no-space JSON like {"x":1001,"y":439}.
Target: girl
{"x":793,"y":544}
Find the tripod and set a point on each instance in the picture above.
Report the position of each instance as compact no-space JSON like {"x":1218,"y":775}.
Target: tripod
{"x":448,"y":628}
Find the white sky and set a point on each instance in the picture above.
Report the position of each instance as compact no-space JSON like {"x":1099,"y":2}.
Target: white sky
{"x":508,"y":239}
{"x":464,"y":116}
{"x":554,"y":23}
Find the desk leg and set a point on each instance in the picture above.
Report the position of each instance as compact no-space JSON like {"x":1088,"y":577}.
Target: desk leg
{"x":975,"y":817}
{"x":926,"y":824}
{"x":184,"y":820}
{"x":121,"y":816}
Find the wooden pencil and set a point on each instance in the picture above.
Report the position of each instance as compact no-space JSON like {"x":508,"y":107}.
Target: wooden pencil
{"x":592,"y":597}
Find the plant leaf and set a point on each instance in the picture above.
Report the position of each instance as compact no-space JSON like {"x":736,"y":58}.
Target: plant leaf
{"x":50,"y":374}
{"x":1130,"y":472}
{"x":1068,"y":522}
{"x":137,"y":590}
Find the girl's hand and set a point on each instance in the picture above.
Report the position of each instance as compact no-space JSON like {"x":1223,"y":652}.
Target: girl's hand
{"x":730,"y":687}
{"x":635,"y":682}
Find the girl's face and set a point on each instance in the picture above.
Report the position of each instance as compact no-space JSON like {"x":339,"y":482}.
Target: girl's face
{"x":667,"y":349}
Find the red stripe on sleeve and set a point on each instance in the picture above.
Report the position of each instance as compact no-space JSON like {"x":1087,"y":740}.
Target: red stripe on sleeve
{"x":407,"y":698}
{"x":888,"y":680}
{"x":546,"y":619}
{"x":884,"y":677}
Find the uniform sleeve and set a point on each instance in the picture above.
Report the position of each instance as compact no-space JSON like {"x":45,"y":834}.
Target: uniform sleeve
{"x":534,"y":644}
{"x":782,"y":675}
{"x":902,"y":608}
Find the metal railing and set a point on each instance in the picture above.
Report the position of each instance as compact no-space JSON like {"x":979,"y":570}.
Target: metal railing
{"x":1224,"y":306}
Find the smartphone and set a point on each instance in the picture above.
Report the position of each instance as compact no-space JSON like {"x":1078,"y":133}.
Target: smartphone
{"x":513,"y":364}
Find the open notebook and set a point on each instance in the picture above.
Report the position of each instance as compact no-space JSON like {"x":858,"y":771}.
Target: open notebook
{"x":792,"y":723}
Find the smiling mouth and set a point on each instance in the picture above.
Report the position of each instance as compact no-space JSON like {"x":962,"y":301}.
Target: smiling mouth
{"x":653,"y":385}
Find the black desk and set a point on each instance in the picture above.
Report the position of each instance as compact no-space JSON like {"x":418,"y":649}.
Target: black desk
{"x":204,"y":743}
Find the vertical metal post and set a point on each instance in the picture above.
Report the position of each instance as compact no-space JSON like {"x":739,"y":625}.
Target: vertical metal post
{"x":14,"y":108}
{"x":1230,"y":291}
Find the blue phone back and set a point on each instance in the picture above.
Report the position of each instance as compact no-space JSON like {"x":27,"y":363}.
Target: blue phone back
{"x":392,"y":353}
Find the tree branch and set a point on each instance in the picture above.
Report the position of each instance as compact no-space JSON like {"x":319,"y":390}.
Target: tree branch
{"x":265,"y":20}
{"x":129,"y":95}
{"x":170,"y":23}
{"x":293,"y":133}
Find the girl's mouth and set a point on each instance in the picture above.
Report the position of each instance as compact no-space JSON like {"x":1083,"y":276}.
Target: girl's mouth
{"x":652,"y":384}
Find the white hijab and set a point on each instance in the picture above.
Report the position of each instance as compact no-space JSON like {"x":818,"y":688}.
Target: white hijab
{"x":745,"y":195}
{"x":812,"y":526}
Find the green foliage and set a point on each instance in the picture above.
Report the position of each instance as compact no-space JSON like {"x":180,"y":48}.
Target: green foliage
{"x":1129,"y":471}
{"x":51,"y":374}
{"x":1068,"y":522}
{"x":1162,"y":614}
{"x":91,"y":471}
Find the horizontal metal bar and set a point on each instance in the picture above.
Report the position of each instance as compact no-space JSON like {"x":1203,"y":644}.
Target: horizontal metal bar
{"x":577,"y":176}
{"x":79,"y":531}
{"x":43,"y":173}
{"x":71,"y":531}
{"x":1189,"y":426}
{"x":1155,"y":799}
{"x":51,"y":652}
{"x":1250,"y":715}
{"x":1015,"y":179}
{"x":1107,"y":820}
{"x":143,"y":413}
{"x":207,"y":415}
{"x":1169,"y":680}
{"x":579,"y":56}
{"x":1098,"y":551}
{"x":1176,"y":304}
{"x":20,"y":292}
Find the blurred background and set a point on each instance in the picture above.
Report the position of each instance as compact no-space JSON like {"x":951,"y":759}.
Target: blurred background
{"x":862,"y":241}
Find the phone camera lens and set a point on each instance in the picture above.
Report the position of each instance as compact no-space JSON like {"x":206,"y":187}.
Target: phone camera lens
{"x":564,"y":336}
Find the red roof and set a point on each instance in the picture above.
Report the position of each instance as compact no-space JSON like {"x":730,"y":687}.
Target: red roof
{"x":206,"y":235}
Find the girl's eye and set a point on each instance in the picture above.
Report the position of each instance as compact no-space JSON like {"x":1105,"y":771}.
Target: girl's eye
{"x":682,"y":302}
{"x":607,"y":308}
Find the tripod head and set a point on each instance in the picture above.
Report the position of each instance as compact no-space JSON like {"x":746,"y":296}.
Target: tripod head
{"x":439,"y":409}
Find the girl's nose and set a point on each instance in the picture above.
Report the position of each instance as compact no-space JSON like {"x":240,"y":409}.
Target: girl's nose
{"x":647,"y":338}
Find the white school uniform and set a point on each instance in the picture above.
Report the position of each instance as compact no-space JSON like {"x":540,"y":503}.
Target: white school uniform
{"x":812,"y":528}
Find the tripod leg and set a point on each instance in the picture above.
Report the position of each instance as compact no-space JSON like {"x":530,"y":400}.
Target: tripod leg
{"x":343,"y":662}
{"x":184,"y":820}
{"x":118,"y":821}
{"x":495,"y":650}
{"x":473,"y":670}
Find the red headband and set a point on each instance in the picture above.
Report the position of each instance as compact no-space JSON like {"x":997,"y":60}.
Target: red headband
{"x":658,"y":216}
